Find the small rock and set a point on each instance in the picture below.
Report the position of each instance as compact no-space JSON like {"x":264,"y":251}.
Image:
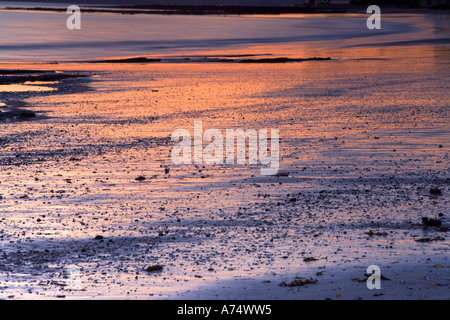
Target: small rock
{"x":140,"y":178}
{"x":310,"y":259}
{"x":429,"y":240}
{"x":429,"y":222}
{"x":435,"y":191}
{"x":371,"y":233}
{"x":154,"y":268}
{"x":98,"y":237}
{"x":282,"y":174}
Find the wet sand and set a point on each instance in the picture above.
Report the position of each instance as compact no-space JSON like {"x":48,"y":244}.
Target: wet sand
{"x":364,"y":138}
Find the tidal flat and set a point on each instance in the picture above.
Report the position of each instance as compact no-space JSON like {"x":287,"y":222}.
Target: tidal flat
{"x":92,"y":206}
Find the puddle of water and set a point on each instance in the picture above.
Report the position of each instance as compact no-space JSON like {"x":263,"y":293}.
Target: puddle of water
{"x":23,"y":88}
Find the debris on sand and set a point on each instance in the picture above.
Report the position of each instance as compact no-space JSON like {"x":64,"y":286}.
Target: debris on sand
{"x":435,"y":191}
{"x":371,"y":233}
{"x":282,"y":174}
{"x":369,"y":275}
{"x":429,"y":222}
{"x":154,"y":268}
{"x":430,"y":240}
{"x":298,"y":282}
{"x":310,"y":259}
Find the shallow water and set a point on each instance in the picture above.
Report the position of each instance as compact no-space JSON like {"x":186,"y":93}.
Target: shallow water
{"x":24,"y":88}
{"x":43,"y":36}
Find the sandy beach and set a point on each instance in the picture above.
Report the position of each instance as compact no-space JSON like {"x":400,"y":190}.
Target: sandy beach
{"x":93,"y":207}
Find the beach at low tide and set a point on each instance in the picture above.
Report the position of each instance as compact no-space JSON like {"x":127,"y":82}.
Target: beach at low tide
{"x":364,"y":141}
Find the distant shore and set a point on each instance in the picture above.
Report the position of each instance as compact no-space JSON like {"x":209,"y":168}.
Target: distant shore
{"x":232,"y":10}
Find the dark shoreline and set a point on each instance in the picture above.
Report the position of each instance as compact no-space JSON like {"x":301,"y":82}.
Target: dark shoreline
{"x":16,"y":109}
{"x":21,"y":76}
{"x":233,"y":10}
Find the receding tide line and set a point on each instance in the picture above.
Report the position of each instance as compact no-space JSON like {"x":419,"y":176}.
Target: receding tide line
{"x":214,"y":59}
{"x":127,"y":60}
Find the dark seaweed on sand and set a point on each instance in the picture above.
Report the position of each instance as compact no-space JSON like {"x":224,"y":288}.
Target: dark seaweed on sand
{"x":21,"y":76}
